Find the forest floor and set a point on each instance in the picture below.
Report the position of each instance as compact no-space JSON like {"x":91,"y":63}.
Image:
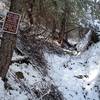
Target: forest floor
{"x":77,"y":77}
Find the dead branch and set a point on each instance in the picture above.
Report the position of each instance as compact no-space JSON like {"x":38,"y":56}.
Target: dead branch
{"x":21,"y":60}
{"x":72,"y":30}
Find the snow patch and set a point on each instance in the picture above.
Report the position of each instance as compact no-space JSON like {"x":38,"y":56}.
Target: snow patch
{"x":76,"y":76}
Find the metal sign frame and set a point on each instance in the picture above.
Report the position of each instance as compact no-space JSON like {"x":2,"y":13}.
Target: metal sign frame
{"x":17,"y":23}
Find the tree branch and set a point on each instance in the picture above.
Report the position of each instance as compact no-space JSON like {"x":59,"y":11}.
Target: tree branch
{"x":21,"y":60}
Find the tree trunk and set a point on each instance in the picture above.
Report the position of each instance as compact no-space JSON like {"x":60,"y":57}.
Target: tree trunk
{"x":7,"y":45}
{"x":29,"y":4}
{"x":62,"y":31}
{"x":54,"y":35}
{"x":62,"y":34}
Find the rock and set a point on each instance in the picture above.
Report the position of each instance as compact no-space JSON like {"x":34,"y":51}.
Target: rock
{"x":19,"y":75}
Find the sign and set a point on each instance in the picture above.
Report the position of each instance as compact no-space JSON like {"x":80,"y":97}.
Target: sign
{"x":11,"y":23}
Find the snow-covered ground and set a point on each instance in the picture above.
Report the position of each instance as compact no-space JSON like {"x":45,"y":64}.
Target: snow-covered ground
{"x":77,"y":77}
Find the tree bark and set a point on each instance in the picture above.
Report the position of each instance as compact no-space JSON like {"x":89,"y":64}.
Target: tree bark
{"x":7,"y":47}
{"x":8,"y":44}
{"x":62,"y":31}
{"x":62,"y":34}
{"x":29,"y":4}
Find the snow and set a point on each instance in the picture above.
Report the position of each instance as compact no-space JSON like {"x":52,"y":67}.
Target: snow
{"x":65,"y":69}
{"x":1,"y":90}
{"x":22,"y":89}
{"x":16,"y":57}
{"x":76,"y":76}
{"x":4,"y":7}
{"x":81,"y":46}
{"x":73,"y":41}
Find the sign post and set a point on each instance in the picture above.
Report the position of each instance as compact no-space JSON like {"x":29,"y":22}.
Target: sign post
{"x":8,"y":43}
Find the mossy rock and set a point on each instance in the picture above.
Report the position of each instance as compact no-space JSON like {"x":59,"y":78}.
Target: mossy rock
{"x":19,"y":75}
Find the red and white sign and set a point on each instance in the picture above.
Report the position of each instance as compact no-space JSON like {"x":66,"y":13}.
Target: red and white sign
{"x":11,"y":23}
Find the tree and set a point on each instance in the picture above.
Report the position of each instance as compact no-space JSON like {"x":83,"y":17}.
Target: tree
{"x":8,"y":44}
